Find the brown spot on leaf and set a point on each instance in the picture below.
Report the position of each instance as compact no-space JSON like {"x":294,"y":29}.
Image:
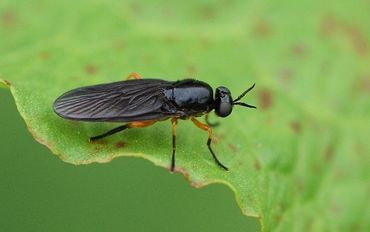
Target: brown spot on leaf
{"x":329,"y":153}
{"x":295,"y":126}
{"x":364,"y":84}
{"x":118,"y":45}
{"x":191,"y":70}
{"x":335,"y":209}
{"x":299,"y":185}
{"x":265,"y":98}
{"x":355,"y":227}
{"x":90,"y":69}
{"x":257,"y":165}
{"x":207,"y":12}
{"x":98,"y":144}
{"x":232,"y":147}
{"x":359,"y":149}
{"x":76,"y":78}
{"x":8,"y":18}
{"x":262,"y":28}
{"x":277,"y":216}
{"x":120,"y":144}
{"x":44,"y":55}
{"x":316,"y":167}
{"x":136,"y":7}
{"x":330,"y":25}
{"x":339,"y":175}
{"x":357,"y":39}
{"x":279,"y":211}
{"x":285,"y":75}
{"x":170,"y":38}
{"x":298,"y":50}
{"x":308,"y":225}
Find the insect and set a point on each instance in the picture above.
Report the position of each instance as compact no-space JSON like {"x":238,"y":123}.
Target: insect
{"x":143,"y":102}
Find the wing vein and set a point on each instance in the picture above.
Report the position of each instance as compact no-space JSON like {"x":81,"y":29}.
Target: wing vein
{"x":120,"y":101}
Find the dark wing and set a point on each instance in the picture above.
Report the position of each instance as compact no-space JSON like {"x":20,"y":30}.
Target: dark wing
{"x":125,"y":101}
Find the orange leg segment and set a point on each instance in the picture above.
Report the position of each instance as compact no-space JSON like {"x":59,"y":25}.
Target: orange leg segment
{"x":134,"y":75}
{"x":140,"y":124}
{"x":209,"y":130}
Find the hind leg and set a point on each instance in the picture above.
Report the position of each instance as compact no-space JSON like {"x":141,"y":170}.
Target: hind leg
{"x":121,"y":128}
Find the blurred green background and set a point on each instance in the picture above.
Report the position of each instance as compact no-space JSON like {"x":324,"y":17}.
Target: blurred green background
{"x":38,"y":192}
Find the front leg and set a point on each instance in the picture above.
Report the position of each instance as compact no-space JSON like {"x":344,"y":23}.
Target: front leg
{"x":209,"y":130}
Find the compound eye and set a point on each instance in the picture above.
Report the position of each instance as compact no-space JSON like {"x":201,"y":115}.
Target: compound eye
{"x":223,"y":109}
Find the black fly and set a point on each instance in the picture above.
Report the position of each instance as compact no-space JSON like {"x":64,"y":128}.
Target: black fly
{"x":143,"y":102}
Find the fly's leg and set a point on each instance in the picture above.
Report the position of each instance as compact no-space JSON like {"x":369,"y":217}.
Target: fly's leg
{"x":174,"y":123}
{"x":210,"y":123}
{"x":121,"y":128}
{"x":141,"y":124}
{"x":111,"y":132}
{"x":209,"y":130}
{"x":134,"y":75}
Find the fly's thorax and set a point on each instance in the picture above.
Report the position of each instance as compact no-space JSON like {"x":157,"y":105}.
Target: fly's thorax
{"x":191,"y":96}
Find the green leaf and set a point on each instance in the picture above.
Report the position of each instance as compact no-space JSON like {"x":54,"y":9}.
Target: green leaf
{"x":300,"y":162}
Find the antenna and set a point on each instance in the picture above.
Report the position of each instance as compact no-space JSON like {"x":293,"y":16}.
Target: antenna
{"x":236,"y":101}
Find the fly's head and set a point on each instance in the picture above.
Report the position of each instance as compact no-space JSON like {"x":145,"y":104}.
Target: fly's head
{"x":224,"y":102}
